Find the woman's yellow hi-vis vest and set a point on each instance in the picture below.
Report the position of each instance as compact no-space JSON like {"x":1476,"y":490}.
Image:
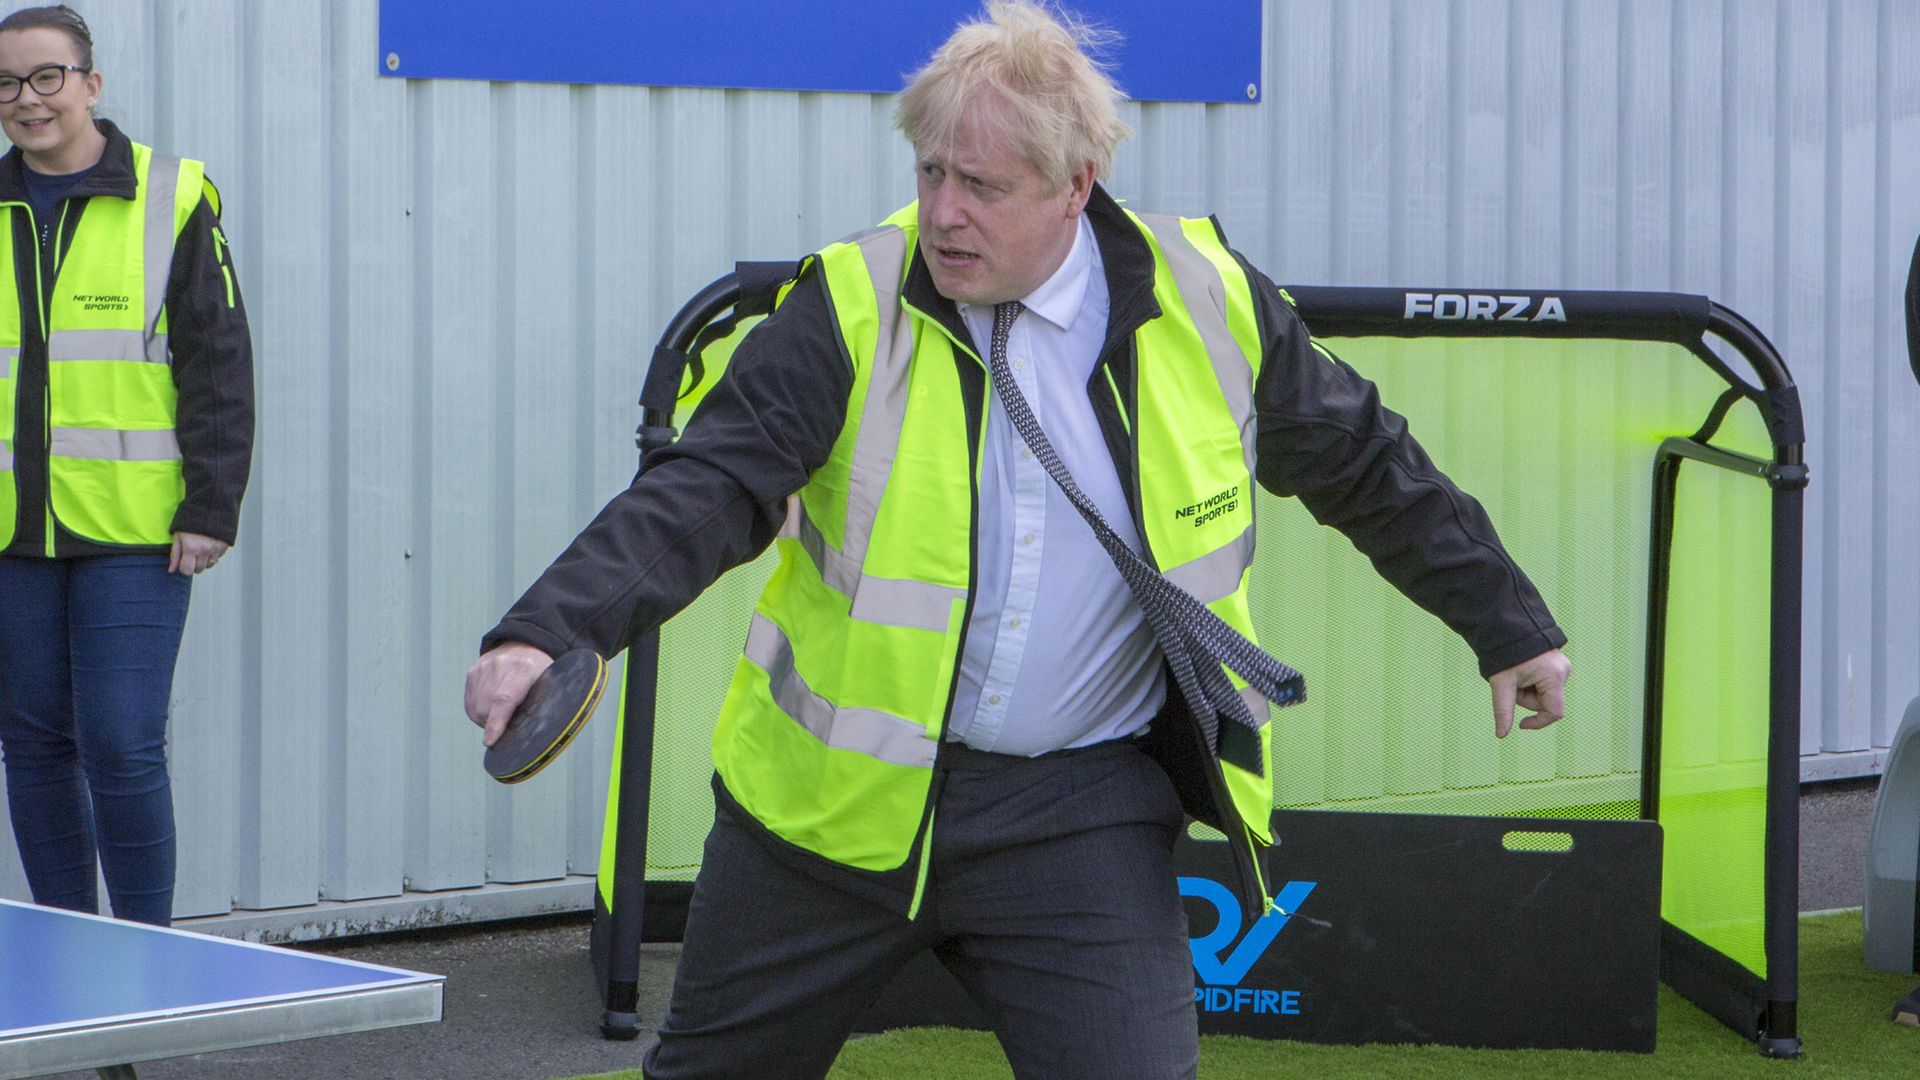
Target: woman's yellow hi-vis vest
{"x":837,"y":707}
{"x":114,"y":464}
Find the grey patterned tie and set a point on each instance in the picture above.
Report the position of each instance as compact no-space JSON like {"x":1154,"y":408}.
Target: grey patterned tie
{"x":1195,"y":640}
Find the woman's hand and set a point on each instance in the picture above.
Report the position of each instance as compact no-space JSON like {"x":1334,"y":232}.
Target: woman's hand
{"x":193,"y":553}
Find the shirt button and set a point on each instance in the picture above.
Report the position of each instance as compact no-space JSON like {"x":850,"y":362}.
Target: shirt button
{"x":994,"y":700}
{"x":1028,"y":539}
{"x":1013,"y":623}
{"x":1019,"y":365}
{"x":1026,"y":452}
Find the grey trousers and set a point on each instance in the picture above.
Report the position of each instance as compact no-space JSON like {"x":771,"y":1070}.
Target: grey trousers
{"x":1051,"y":898}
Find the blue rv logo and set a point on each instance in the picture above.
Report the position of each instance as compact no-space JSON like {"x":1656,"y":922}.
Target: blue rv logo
{"x":1221,"y":969}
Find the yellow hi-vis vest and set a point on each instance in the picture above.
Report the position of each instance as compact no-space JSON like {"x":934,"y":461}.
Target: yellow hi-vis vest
{"x":113,"y":470}
{"x":837,"y":707}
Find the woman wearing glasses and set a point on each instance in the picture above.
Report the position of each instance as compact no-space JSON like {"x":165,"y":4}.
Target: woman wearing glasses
{"x":126,"y":428}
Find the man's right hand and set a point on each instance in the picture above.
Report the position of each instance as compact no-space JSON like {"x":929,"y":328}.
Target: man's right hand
{"x":498,"y":682}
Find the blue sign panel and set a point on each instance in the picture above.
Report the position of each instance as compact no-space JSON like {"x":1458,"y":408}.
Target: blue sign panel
{"x":1197,"y":50}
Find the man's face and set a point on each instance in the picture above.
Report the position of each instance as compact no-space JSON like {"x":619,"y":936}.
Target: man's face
{"x":991,"y":228}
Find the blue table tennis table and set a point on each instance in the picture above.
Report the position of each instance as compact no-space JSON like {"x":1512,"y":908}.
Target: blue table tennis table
{"x":79,"y":991}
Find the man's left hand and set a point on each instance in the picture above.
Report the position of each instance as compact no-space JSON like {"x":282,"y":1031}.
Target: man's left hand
{"x":1539,"y":684}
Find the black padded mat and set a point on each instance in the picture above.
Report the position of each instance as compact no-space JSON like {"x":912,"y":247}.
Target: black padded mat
{"x":1414,"y":928}
{"x":1408,"y":928}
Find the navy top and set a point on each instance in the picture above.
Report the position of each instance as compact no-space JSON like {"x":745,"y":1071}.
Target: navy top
{"x":44,"y":192}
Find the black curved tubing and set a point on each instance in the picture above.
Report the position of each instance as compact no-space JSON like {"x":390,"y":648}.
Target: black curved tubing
{"x":1913,"y":311}
{"x":1776,"y":1025}
{"x":626,"y":929}
{"x":724,"y":292}
{"x":1734,"y":328}
{"x":1365,"y":311}
{"x":707,"y":305}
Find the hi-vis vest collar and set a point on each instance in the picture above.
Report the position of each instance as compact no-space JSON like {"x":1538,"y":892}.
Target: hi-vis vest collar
{"x":835,"y":713}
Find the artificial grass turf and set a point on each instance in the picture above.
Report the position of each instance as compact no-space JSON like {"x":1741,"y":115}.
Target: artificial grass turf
{"x":1843,"y":1021}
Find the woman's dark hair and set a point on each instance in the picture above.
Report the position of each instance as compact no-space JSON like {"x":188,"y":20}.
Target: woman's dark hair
{"x":57,"y":17}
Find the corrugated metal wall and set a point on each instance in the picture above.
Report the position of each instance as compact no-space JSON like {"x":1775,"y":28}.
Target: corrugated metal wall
{"x":454,"y":286}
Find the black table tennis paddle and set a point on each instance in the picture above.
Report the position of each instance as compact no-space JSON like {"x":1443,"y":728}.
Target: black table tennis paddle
{"x":555,"y":709}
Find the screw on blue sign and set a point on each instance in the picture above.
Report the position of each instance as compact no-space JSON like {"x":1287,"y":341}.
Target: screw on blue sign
{"x":1220,"y":970}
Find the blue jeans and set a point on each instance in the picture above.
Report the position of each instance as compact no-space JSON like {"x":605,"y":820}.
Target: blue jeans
{"x":87,"y":648}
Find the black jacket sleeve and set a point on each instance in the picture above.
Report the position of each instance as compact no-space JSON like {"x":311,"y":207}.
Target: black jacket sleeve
{"x":1323,"y":436}
{"x":711,"y":501}
{"x":213,"y":372}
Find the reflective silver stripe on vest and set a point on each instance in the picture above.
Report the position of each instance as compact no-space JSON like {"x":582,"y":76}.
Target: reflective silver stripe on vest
{"x":6,"y":457}
{"x":131,"y":345}
{"x":163,"y":182}
{"x":871,"y":732}
{"x":889,"y":601}
{"x":1204,"y":295}
{"x":885,"y":412}
{"x":7,"y":356}
{"x":107,"y":444}
{"x":1216,"y":574}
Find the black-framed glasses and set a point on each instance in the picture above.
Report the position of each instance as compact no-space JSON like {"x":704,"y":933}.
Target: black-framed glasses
{"x":46,"y":81}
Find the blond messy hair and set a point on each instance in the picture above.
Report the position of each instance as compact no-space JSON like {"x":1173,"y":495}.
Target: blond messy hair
{"x":1033,"y":69}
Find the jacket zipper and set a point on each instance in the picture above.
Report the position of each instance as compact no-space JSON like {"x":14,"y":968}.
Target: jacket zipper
{"x":220,"y":256}
{"x":43,"y":284}
{"x":926,"y":849}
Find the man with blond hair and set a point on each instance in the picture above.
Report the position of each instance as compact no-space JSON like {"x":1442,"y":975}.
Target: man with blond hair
{"x":1005,"y":443}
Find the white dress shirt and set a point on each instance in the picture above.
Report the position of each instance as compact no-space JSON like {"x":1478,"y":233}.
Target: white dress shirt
{"x":1058,"y":653}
